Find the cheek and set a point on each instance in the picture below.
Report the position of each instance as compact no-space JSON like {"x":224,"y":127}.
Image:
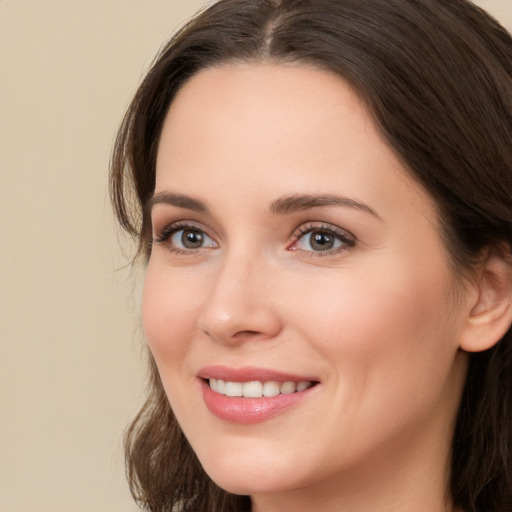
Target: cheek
{"x":388,"y":338}
{"x":392,"y":318}
{"x":169,"y":313}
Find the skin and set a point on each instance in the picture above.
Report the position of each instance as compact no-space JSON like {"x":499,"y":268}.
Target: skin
{"x":378,"y":321}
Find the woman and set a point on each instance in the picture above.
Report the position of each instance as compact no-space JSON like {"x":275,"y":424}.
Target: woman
{"x":322,"y":192}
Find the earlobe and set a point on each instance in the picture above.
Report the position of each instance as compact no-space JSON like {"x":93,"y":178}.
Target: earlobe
{"x":490,"y":316}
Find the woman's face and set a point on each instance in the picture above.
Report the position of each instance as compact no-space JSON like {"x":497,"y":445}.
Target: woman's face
{"x":294,"y":257}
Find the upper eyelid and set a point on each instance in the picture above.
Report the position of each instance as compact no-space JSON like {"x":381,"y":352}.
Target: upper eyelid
{"x":309,"y":226}
{"x":179,"y":224}
{"x":168,"y":217}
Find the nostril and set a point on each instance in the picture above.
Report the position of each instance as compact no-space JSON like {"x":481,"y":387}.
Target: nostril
{"x":246,"y":334}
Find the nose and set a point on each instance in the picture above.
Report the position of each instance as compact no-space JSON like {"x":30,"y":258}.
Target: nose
{"x":239,"y":306}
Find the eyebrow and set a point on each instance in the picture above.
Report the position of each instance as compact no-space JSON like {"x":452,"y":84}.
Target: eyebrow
{"x":179,"y":200}
{"x":281,"y":206}
{"x":299,"y":202}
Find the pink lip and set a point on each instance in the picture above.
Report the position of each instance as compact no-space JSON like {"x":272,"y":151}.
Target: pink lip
{"x":249,"y":373}
{"x":249,"y":410}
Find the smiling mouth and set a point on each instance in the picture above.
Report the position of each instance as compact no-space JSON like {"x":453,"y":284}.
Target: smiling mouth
{"x":256,"y":388}
{"x":252,"y":395}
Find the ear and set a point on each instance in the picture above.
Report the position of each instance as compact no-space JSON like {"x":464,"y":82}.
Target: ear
{"x":490,"y":315}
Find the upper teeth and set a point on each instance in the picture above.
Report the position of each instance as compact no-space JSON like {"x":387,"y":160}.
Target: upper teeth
{"x":257,"y":389}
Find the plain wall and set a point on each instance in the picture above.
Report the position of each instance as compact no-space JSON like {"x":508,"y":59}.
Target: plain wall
{"x":71,"y":363}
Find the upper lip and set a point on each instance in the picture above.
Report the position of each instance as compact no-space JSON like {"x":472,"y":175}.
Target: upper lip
{"x":250,"y":373}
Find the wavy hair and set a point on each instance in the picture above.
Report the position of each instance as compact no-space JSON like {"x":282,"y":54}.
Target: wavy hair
{"x":436,"y":76}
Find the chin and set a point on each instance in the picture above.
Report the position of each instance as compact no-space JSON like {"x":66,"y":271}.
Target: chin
{"x":249,"y":484}
{"x":246,"y":475}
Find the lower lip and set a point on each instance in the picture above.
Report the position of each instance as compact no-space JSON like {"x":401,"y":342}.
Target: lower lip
{"x":249,"y":410}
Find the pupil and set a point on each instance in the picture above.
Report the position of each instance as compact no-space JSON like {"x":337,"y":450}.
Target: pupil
{"x":321,"y":241}
{"x":192,"y":239}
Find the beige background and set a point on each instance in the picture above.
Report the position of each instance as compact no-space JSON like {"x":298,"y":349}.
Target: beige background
{"x":71,"y":371}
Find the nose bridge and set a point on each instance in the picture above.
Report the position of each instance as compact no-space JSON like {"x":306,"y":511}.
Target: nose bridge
{"x":238,"y":305}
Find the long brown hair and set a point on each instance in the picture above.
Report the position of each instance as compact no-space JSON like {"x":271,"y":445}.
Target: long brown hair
{"x":437,"y":77}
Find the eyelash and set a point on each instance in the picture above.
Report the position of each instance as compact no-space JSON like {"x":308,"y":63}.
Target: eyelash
{"x":347,"y":239}
{"x":168,"y":231}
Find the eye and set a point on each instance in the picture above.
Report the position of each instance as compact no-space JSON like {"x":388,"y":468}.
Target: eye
{"x":184,"y":238}
{"x":322,"y":239}
{"x":191,"y":238}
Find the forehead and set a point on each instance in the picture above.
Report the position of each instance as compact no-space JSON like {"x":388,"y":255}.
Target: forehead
{"x":277,"y":125}
{"x":237,"y":93}
{"x":238,"y":111}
